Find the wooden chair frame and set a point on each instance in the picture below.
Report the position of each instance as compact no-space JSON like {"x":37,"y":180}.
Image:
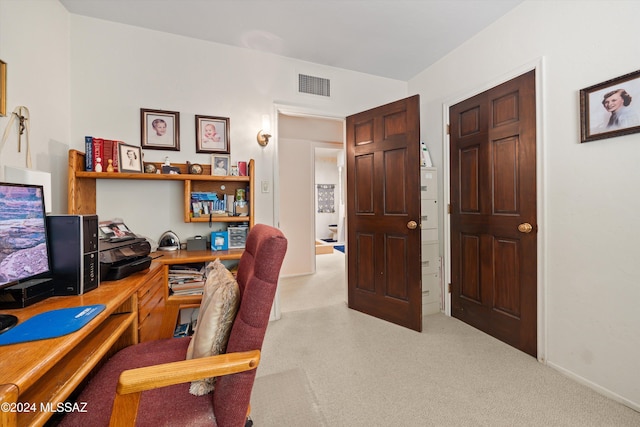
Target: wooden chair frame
{"x":134,"y":381}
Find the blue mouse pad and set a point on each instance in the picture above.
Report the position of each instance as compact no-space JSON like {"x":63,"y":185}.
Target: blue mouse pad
{"x":51,"y":324}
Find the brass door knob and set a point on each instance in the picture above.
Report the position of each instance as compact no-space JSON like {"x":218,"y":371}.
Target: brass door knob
{"x":525,"y":227}
{"x":411,"y":225}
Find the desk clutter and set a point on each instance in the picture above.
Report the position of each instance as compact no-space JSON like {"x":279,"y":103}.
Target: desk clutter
{"x":212,"y":204}
{"x":69,"y":255}
{"x":187,"y":279}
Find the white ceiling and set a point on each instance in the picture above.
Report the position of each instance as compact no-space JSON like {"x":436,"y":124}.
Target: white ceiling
{"x":389,"y":38}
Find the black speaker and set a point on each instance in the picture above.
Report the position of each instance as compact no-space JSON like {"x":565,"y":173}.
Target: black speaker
{"x":73,"y":244}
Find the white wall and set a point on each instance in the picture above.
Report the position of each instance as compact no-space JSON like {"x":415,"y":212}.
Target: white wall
{"x":296,"y":215}
{"x":34,"y":42}
{"x":118,"y":69}
{"x":591,"y":276}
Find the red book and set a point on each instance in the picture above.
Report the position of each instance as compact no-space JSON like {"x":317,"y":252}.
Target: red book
{"x":116,"y":155}
{"x":98,"y":153}
{"x":107,"y":154}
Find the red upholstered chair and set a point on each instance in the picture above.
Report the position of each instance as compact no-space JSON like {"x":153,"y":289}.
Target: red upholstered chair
{"x":148,"y":384}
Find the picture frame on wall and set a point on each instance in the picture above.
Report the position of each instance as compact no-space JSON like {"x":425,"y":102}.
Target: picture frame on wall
{"x":129,"y":158}
{"x":220,"y":164}
{"x":212,"y":135}
{"x":160,"y":130}
{"x":3,"y":88}
{"x":610,"y":108}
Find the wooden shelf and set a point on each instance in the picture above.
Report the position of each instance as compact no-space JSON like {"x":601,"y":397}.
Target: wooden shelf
{"x":82,"y":187}
{"x":161,"y":177}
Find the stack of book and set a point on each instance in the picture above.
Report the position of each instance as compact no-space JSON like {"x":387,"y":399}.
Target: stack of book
{"x":186,"y":280}
{"x":98,"y":152}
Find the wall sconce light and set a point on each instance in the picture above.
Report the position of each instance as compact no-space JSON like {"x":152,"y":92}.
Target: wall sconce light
{"x":265,"y":133}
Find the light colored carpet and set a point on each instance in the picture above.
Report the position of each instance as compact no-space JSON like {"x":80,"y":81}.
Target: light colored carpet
{"x":362,"y":371}
{"x":327,"y":286}
{"x":285,"y":398}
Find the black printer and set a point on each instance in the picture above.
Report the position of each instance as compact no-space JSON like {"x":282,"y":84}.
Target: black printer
{"x":121,"y":252}
{"x":120,"y":258}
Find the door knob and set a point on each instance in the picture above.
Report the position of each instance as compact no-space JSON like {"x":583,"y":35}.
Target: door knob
{"x":525,"y":227}
{"x":411,"y":225}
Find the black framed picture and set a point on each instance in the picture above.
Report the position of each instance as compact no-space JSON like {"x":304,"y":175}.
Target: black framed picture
{"x":212,"y":135}
{"x":129,"y":158}
{"x":610,"y":108}
{"x":160,"y":130}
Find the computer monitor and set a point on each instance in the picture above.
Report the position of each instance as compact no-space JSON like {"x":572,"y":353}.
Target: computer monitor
{"x":24,"y":251}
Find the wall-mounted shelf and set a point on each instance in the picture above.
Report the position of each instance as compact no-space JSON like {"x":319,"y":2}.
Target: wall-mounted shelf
{"x":82,"y":187}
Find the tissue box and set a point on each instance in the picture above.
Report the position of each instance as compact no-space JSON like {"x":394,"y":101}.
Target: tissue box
{"x":219,"y":240}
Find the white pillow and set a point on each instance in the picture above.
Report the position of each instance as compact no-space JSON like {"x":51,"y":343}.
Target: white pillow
{"x":218,"y":309}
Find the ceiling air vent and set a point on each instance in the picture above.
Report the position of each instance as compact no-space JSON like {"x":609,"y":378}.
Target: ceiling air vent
{"x":314,"y":85}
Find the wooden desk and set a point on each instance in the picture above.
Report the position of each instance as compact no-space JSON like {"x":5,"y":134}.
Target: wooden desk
{"x":40,"y":374}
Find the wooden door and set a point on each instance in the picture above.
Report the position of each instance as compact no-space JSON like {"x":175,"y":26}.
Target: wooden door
{"x":493,"y":212}
{"x":383,"y":212}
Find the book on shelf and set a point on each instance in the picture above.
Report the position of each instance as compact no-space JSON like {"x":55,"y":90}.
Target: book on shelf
{"x":207,"y":204}
{"x":107,"y":154}
{"x":115,"y":155}
{"x":197,"y":285}
{"x":186,"y":279}
{"x":98,"y":155}
{"x":188,"y":292}
{"x":103,"y":149}
{"x":88,"y":153}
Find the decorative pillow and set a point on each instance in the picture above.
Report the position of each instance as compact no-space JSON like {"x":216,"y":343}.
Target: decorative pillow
{"x":218,"y":309}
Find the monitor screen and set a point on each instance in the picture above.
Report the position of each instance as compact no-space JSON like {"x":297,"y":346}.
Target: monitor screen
{"x":24,"y":252}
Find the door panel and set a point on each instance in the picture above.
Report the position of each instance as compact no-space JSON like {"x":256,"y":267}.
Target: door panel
{"x":493,"y":191}
{"x":383,"y":181}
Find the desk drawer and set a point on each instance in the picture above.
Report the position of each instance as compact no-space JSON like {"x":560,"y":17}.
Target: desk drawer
{"x":145,"y":293}
{"x":150,"y":309}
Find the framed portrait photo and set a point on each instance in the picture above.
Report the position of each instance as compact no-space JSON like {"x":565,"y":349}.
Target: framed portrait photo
{"x":160,"y":130}
{"x":610,"y":108}
{"x":212,"y":135}
{"x":220,"y":164}
{"x":129,"y":158}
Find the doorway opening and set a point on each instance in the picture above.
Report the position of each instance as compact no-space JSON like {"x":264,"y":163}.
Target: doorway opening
{"x":310,"y":209}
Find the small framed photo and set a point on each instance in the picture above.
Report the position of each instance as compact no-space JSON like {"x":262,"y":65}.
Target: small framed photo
{"x":220,"y":164}
{"x":610,"y":108}
{"x":160,"y":130}
{"x":212,"y":135}
{"x":129,"y":158}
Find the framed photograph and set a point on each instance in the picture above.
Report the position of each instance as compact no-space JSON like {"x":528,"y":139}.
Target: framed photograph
{"x":610,"y":108}
{"x":160,"y":129}
{"x":220,"y":164}
{"x":212,"y":135}
{"x":129,"y":158}
{"x":3,"y":88}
